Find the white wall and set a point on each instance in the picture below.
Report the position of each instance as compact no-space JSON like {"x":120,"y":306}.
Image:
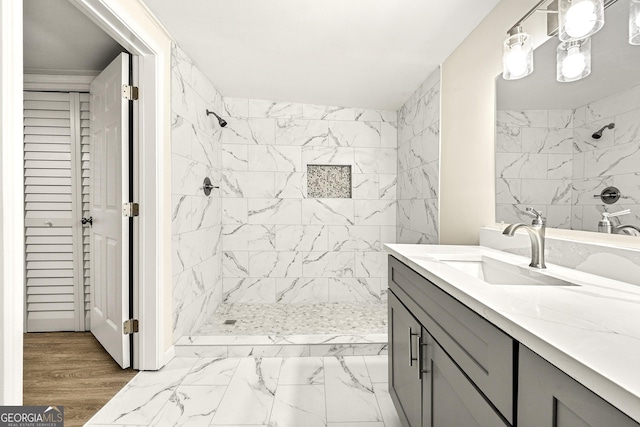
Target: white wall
{"x":11,"y":204}
{"x":467,"y":182}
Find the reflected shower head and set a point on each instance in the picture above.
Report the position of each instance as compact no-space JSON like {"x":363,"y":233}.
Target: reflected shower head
{"x":222,"y":121}
{"x":598,"y":134}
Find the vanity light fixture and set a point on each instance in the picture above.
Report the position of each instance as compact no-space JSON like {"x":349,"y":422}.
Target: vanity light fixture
{"x":580,"y":18}
{"x":517,"y":55}
{"x":634,"y":22}
{"x":573,"y":60}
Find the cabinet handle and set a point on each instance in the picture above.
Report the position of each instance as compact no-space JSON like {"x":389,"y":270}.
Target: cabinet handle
{"x":411,"y":358}
{"x":421,"y":370}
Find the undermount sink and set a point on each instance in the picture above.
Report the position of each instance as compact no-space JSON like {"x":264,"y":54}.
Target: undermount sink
{"x":496,"y":272}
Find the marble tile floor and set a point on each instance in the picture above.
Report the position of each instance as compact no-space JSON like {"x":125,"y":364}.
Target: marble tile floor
{"x":340,"y":391}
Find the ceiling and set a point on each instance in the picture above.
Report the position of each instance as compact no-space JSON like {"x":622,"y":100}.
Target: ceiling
{"x":357,"y":53}
{"x":614,"y":68}
{"x":60,"y":39}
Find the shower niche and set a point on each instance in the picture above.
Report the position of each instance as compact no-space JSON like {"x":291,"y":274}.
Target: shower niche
{"x":329,"y":181}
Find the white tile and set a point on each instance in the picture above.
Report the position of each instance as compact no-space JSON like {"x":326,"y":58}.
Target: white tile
{"x":378,"y":368}
{"x":274,"y":211}
{"x":235,"y":211}
{"x":354,"y":238}
{"x":235,"y":264}
{"x":247,"y":184}
{"x":260,"y":108}
{"x":375,"y":212}
{"x":350,"y":393}
{"x":323,"y":112}
{"x":302,"y":290}
{"x":190,"y":406}
{"x":305,"y":238}
{"x":328,"y":211}
{"x":302,"y":132}
{"x":328,"y":264}
{"x":275,"y":264}
{"x":327,"y":156}
{"x":376,"y":160}
{"x":371,"y":264}
{"x":354,"y":134}
{"x":343,"y":289}
{"x":299,"y":405}
{"x":212,"y":371}
{"x":249,"y":291}
{"x":235,"y":157}
{"x":235,"y":107}
{"x":307,"y":371}
{"x":291,"y":185}
{"x":245,"y":236}
{"x":274,"y":158}
{"x":250,"y":395}
{"x":269,"y":351}
{"x":388,"y":409}
{"x":249,"y":131}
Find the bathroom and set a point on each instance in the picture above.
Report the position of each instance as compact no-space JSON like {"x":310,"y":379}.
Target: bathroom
{"x":268,"y":236}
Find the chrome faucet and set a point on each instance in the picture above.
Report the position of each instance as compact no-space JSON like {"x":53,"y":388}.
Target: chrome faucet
{"x":536,"y":233}
{"x":605,"y":226}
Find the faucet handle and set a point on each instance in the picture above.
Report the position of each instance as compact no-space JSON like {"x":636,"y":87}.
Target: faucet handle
{"x":538,"y":218}
{"x":620,"y":213}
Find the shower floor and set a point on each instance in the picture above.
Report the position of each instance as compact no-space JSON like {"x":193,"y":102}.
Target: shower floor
{"x":294,"y":319}
{"x":290,"y":330}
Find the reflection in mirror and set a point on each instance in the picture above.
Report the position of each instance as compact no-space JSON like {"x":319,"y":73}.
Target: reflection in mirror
{"x":554,"y":147}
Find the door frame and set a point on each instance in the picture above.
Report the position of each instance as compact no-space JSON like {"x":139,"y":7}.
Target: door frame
{"x":133,"y":26}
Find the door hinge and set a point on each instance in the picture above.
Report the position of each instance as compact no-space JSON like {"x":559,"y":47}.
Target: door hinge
{"x":130,"y":92}
{"x":130,"y":209}
{"x":130,"y":326}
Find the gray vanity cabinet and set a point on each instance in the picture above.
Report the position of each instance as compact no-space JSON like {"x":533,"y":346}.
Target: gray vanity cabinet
{"x":428,"y":378}
{"x":405,"y":385}
{"x":547,"y":397}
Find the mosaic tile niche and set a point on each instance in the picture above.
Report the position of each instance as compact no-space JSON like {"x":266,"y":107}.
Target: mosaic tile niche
{"x":329,"y":181}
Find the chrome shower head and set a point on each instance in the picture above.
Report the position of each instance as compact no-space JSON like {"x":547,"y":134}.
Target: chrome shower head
{"x":222,"y":121}
{"x":598,"y":134}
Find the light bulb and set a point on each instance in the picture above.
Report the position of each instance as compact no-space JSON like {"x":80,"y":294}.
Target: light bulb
{"x":517,"y":61}
{"x":574,"y":64}
{"x":638,"y":20}
{"x":580,"y":19}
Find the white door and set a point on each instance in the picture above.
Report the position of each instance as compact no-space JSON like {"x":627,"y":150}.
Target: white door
{"x":109,"y":190}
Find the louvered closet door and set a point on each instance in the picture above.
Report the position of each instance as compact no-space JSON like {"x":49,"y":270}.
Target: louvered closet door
{"x":54,"y":127}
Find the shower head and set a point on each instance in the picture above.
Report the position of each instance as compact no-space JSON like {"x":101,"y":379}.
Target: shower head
{"x":222,"y":121}
{"x":598,"y":134}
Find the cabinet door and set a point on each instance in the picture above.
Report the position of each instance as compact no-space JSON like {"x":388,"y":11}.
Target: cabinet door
{"x":404,"y":381}
{"x":453,"y":399}
{"x":547,"y":397}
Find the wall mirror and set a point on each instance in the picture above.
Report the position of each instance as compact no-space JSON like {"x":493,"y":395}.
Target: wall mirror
{"x":551,"y":151}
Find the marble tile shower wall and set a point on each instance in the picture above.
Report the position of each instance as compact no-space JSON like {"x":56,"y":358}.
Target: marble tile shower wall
{"x":196,"y":218}
{"x":548,"y":159}
{"x":280,"y":246}
{"x":534,"y":165}
{"x":418,"y":164}
{"x":613,"y":160}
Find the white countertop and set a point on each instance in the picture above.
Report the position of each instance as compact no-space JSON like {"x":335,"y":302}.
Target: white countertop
{"x":590,"y":331}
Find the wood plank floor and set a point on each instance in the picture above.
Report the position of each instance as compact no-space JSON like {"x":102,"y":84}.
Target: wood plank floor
{"x":70,"y":369}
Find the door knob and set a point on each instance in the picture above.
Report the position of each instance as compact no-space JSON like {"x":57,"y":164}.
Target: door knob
{"x":86,"y":221}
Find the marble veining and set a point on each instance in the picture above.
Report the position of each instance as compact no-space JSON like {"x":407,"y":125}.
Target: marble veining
{"x":337,"y":391}
{"x":417,"y":165}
